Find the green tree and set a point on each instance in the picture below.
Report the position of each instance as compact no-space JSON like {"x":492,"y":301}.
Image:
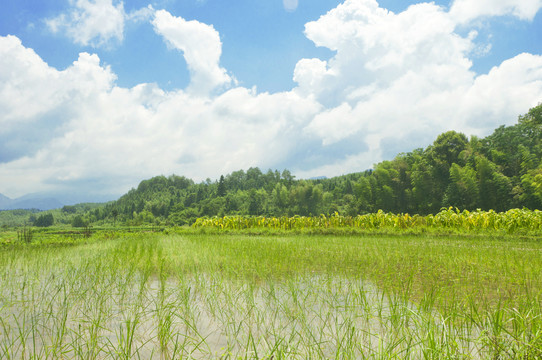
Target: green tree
{"x":424,"y":197}
{"x":45,"y":220}
{"x":213,"y":206}
{"x":287,"y":178}
{"x":387,"y":178}
{"x":69,"y":209}
{"x":221,"y":190}
{"x":364,"y":195}
{"x":280,"y":199}
{"x":462,"y":192}
{"x":531,"y":195}
{"x":447,"y":147}
{"x":256,"y":201}
{"x":444,"y":152}
{"x":115,"y":214}
{"x":78,"y":221}
{"x":144,"y":217}
{"x":494,"y":187}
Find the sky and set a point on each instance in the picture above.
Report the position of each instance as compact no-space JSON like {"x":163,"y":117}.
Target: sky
{"x":97,"y":95}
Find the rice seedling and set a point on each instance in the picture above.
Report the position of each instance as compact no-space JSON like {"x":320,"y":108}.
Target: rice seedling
{"x":286,"y":296}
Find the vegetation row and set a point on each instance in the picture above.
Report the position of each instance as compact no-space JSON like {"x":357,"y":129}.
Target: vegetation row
{"x":514,"y":220}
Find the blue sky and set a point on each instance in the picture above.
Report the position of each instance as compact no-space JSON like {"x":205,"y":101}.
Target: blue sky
{"x":96,"y":95}
{"x":262,"y":41}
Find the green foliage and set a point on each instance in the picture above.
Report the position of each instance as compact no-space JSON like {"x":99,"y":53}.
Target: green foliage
{"x":447,"y":147}
{"x":25,"y":235}
{"x":221,"y":191}
{"x":511,"y":221}
{"x":69,"y":209}
{"x":79,"y":222}
{"x":16,"y":217}
{"x":45,"y":220}
{"x":463,"y":190}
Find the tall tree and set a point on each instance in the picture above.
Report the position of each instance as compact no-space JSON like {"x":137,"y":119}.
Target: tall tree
{"x":221,"y":190}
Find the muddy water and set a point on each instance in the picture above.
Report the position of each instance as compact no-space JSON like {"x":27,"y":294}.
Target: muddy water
{"x":204,"y":316}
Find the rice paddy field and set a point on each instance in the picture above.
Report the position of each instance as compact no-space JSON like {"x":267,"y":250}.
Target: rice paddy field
{"x":213,"y":295}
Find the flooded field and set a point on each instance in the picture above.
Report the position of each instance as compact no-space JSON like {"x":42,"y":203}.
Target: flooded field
{"x":171,"y":297}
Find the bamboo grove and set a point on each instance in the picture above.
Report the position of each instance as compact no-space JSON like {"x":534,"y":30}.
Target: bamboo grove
{"x":514,"y":220}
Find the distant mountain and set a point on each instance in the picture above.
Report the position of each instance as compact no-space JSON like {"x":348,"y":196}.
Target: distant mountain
{"x":29,"y":202}
{"x":47,"y":201}
{"x":4,"y":201}
{"x":36,"y":203}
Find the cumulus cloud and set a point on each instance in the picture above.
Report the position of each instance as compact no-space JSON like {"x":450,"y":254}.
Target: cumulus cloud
{"x":507,"y":91}
{"x":375,"y":47}
{"x":395,"y":82}
{"x":24,"y":90}
{"x":36,"y":99}
{"x":309,"y":74}
{"x":201,"y":47}
{"x":127,"y":134}
{"x":91,"y":22}
{"x":398,"y":80}
{"x":397,"y":68}
{"x":468,"y":10}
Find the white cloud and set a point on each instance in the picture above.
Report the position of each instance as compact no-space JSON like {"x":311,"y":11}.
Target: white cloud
{"x":36,"y":100}
{"x":290,"y":5}
{"x":201,"y":47}
{"x":25,"y":81}
{"x":398,"y":80}
{"x":332,"y":125}
{"x":38,"y":104}
{"x":394,"y":83}
{"x":91,"y":22}
{"x":309,"y":74}
{"x":125,"y":135}
{"x":375,"y":47}
{"x":115,"y":136}
{"x":467,"y":10}
{"x":141,"y":15}
{"x":507,"y":91}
